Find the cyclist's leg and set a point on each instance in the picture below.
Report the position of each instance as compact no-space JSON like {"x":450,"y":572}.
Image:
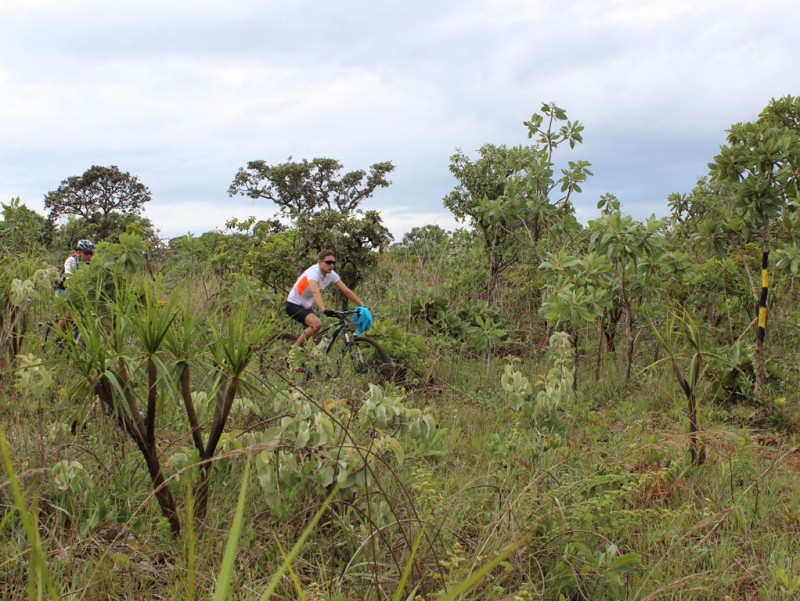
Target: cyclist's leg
{"x":273,"y":354}
{"x":313,"y":326}
{"x":305,"y":316}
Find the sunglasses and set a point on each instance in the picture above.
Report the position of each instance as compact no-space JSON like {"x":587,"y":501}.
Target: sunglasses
{"x":329,"y":262}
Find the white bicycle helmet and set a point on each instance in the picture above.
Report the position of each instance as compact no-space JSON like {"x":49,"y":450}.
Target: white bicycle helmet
{"x":86,"y":246}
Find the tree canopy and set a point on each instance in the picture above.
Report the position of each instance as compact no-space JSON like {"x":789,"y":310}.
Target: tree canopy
{"x":96,"y":194}
{"x":325,"y":206}
{"x":309,"y":186}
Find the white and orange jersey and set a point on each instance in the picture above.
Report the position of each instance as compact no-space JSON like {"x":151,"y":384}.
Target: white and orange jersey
{"x":301,"y":291}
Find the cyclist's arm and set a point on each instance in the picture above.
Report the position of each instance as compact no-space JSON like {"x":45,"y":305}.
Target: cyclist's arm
{"x":349,"y":293}
{"x":316,"y":295}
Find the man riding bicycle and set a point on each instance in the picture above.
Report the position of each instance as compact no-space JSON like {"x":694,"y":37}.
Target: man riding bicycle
{"x":307,"y":291}
{"x":84,"y":250}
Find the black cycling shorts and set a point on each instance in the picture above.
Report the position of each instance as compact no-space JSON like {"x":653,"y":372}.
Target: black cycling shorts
{"x":297,"y":312}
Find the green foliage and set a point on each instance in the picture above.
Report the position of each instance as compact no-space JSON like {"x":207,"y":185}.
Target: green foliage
{"x":787,"y":258}
{"x":762,"y":164}
{"x":424,"y":243}
{"x":762,"y":160}
{"x":34,"y":376}
{"x":325,"y":208}
{"x":309,"y":186}
{"x":23,"y":289}
{"x":789,"y":583}
{"x":125,"y":256}
{"x":428,"y":305}
{"x":603,"y":571}
{"x":578,"y":289}
{"x":264,"y":250}
{"x":408,"y":351}
{"x":68,"y":490}
{"x":684,"y":328}
{"x":508,"y":192}
{"x":634,"y":250}
{"x":486,"y":336}
{"x":540,"y":403}
{"x":315,"y":449}
{"x":21,"y":229}
{"x":714,"y":288}
{"x":477,"y":322}
{"x":731,"y":370}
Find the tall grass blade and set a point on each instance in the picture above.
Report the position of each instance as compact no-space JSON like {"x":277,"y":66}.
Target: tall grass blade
{"x":273,"y":583}
{"x":476,"y":577}
{"x":39,"y":570}
{"x":409,"y":564}
{"x":225,"y":577}
{"x":191,"y":550}
{"x":298,"y":586}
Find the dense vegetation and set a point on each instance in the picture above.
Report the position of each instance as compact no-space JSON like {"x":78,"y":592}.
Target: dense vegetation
{"x":598,"y":411}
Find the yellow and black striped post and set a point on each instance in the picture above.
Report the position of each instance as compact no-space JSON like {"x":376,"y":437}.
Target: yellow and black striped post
{"x":762,"y":301}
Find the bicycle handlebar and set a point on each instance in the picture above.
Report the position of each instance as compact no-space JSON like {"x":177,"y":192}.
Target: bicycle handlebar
{"x":337,"y":314}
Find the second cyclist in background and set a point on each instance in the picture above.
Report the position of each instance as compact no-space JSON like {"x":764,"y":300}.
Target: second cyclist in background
{"x":307,"y":291}
{"x":84,"y":251}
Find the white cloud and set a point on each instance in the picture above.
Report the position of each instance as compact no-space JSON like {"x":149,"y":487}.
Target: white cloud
{"x":184,"y":93}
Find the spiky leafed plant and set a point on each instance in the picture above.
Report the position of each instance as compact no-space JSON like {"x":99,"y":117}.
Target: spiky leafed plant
{"x":677,"y":328}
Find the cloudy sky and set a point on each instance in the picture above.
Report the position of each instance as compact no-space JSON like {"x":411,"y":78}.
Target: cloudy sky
{"x":183,"y":93}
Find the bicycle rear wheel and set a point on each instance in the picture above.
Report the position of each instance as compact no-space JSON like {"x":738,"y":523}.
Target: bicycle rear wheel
{"x":360,"y":357}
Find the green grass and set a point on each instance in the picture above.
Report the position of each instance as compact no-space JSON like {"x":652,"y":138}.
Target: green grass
{"x":604,"y":505}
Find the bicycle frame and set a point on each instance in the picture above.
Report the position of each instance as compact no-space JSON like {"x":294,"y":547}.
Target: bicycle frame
{"x":335,"y":330}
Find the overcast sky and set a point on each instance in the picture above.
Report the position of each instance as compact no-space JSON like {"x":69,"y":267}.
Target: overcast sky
{"x":183,"y":93}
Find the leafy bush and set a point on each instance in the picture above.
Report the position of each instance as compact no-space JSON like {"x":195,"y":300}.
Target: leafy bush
{"x":540,"y":403}
{"x":731,"y":371}
{"x":407,"y":351}
{"x":312,"y":448}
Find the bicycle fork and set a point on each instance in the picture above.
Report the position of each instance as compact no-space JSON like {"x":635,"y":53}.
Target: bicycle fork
{"x":356,"y":355}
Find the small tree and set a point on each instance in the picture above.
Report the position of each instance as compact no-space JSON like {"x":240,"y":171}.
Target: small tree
{"x":511,"y":192}
{"x":633,"y":248}
{"x":762,"y":161}
{"x":96,"y":195}
{"x":325,"y":206}
{"x":425,"y":243}
{"x":576,"y":295}
{"x":137,"y":348}
{"x":301,"y":189}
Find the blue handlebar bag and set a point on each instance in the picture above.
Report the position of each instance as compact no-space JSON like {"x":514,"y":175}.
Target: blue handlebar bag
{"x":362,"y":319}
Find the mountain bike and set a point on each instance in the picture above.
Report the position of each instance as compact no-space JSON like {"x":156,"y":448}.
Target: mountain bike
{"x":337,"y":353}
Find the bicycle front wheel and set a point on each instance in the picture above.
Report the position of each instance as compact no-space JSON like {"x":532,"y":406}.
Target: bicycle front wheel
{"x":360,"y":356}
